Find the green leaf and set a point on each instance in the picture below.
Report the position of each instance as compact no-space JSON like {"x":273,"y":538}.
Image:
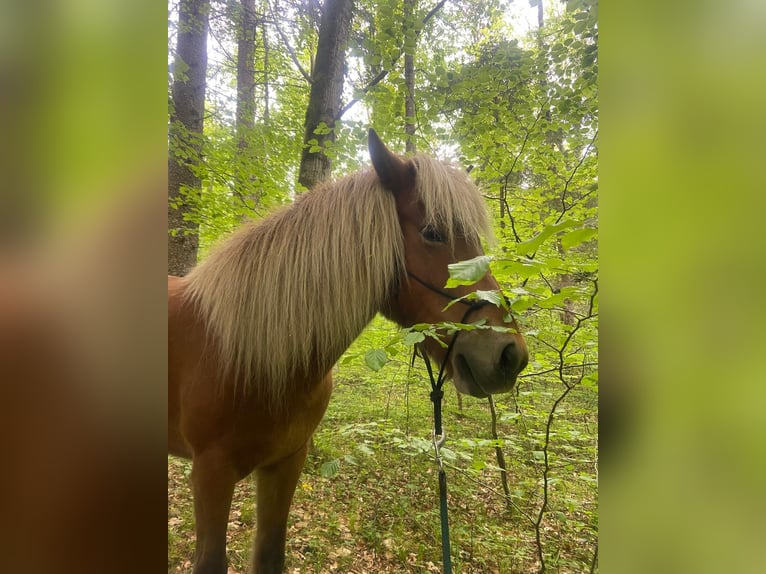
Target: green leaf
{"x":508,"y":416}
{"x":552,"y":301}
{"x":454,"y":327}
{"x":522,"y":304}
{"x":558,"y":298}
{"x":392,"y":349}
{"x":532,"y":245}
{"x":364,"y":449}
{"x":492,"y":296}
{"x":375,"y":359}
{"x":590,"y":381}
{"x":576,"y":237}
{"x":467,"y":272}
{"x":330,"y":469}
{"x":498,"y":329}
{"x":448,"y":454}
{"x":520,"y":268}
{"x":413,"y":337}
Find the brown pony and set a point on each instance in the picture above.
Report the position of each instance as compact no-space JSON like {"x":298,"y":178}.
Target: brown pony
{"x":254,"y":330}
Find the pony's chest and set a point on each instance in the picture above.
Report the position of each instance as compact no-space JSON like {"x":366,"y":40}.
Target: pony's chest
{"x":268,"y":437}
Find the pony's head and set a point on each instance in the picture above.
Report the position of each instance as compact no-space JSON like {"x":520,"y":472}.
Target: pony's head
{"x":442,"y":218}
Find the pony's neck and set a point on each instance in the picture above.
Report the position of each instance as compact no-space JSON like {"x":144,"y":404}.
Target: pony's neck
{"x":288,"y":295}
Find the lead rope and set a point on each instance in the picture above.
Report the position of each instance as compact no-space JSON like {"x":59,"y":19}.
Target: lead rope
{"x":437,"y":394}
{"x":439,"y":436}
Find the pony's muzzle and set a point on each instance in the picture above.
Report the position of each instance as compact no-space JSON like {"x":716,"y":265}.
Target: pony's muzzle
{"x":485,"y":362}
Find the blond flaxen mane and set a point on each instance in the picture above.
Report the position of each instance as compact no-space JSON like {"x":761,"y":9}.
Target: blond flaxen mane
{"x":287,"y":295}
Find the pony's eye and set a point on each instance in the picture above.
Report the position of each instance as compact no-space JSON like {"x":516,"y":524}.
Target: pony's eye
{"x":432,"y":235}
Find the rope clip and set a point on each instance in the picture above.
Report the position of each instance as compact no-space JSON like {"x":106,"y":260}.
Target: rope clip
{"x":439,"y":440}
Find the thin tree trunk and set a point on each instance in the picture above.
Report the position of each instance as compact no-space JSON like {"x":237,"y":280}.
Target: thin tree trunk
{"x":185,"y":132}
{"x":246,"y":27}
{"x":500,"y":455}
{"x":326,"y":90}
{"x":265,"y":73}
{"x":245,"y":120}
{"x":409,"y":76}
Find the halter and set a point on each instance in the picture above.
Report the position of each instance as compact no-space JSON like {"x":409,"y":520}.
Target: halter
{"x":444,"y":293}
{"x":436,"y":384}
{"x":437,"y":394}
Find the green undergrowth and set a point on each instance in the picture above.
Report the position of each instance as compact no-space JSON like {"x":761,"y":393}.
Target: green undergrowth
{"x":368,"y":498}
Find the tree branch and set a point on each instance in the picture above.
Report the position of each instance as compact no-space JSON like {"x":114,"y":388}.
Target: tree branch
{"x":433,"y":11}
{"x":380,"y":76}
{"x":290,"y":50}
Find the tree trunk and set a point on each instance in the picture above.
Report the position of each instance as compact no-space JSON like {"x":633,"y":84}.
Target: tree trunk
{"x":185,"y":132}
{"x":265,"y":73}
{"x":326,"y":90}
{"x":245,"y":118}
{"x":410,"y":39}
{"x":246,"y":27}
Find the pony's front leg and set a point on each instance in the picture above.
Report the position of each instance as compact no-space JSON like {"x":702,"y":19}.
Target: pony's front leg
{"x":276,"y":485}
{"x":213,"y":480}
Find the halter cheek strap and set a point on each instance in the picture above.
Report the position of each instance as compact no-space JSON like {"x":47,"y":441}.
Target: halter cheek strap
{"x":443,"y":293}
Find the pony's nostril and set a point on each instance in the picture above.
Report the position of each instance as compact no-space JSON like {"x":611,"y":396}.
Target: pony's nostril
{"x":511,"y":360}
{"x":508,"y":356}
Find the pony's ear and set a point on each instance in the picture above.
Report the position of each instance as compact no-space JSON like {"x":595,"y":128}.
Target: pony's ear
{"x":395,"y":175}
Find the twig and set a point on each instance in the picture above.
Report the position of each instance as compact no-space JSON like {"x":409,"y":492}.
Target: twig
{"x":528,"y":132}
{"x":556,"y":369}
{"x":564,"y":207}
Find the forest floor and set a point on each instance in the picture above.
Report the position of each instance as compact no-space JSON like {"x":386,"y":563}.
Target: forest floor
{"x":367,"y":501}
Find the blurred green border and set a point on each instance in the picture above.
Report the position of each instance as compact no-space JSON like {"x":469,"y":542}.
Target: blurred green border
{"x":682,"y":202}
